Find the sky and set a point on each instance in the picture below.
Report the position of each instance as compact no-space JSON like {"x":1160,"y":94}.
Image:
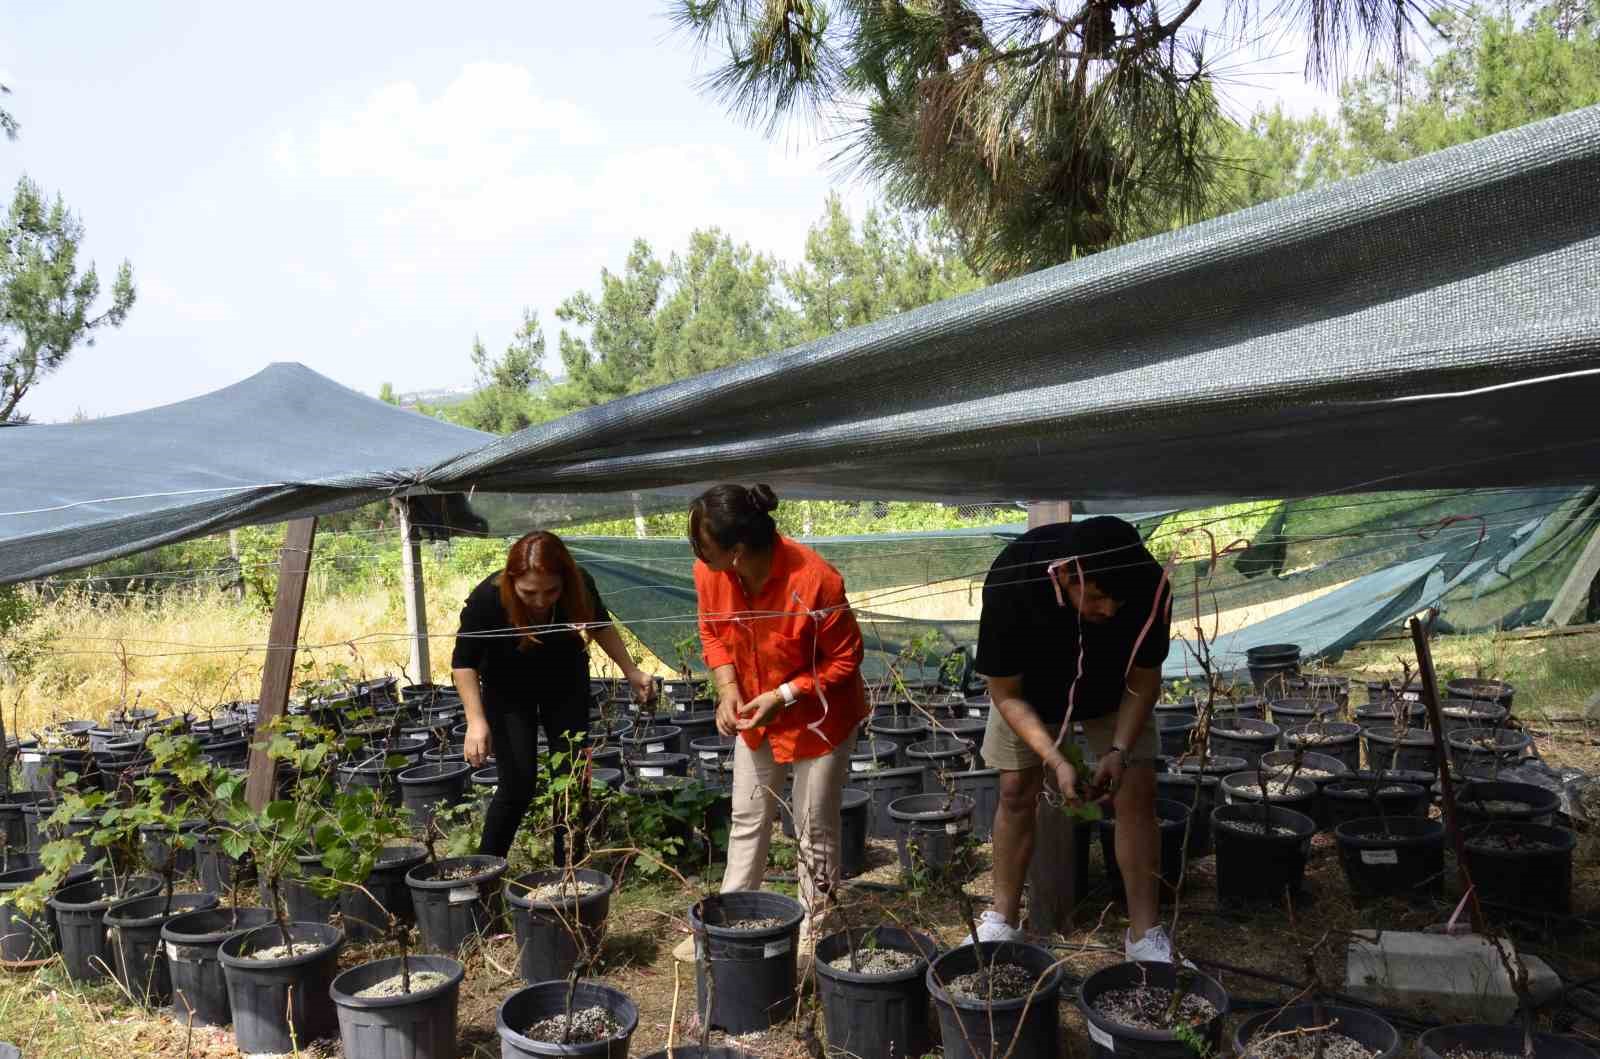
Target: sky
{"x":364,"y":187}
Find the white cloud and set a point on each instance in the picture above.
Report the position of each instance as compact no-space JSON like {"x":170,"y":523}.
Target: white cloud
{"x":184,"y":306}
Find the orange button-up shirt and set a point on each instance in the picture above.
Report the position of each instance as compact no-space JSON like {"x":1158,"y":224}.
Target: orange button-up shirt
{"x":798,"y":629}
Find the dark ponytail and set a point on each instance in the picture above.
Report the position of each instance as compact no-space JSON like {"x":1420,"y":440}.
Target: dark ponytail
{"x":734,"y":514}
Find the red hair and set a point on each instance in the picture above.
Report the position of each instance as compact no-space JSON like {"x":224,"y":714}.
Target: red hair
{"x":543,"y":552}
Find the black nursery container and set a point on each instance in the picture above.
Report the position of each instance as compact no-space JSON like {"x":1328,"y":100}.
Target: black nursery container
{"x":218,"y":872}
{"x":199,"y":987}
{"x":876,"y":1014}
{"x":277,"y":1003}
{"x":138,"y":959}
{"x":80,"y":911}
{"x":366,"y":918}
{"x":1480,"y":753}
{"x":940,"y":755}
{"x":1498,"y":1040}
{"x":425,"y":788}
{"x":1400,"y":856}
{"x":900,"y":729}
{"x":753,"y":971}
{"x":1340,"y":740}
{"x":1357,"y":799}
{"x":1243,"y":738}
{"x":554,"y":935}
{"x":979,"y":1029}
{"x":1523,"y":868}
{"x":854,"y":806}
{"x":1410,"y":749}
{"x":983,"y":787}
{"x":1480,"y":802}
{"x":534,"y":1003}
{"x":930,"y":830}
{"x":23,"y":936}
{"x":1260,"y":866}
{"x":1365,"y":1028}
{"x":1108,"y":1039}
{"x":450,"y":911}
{"x":416,"y":1025}
{"x":885,"y":786}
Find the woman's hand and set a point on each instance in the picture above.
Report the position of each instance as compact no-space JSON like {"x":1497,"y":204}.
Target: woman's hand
{"x":478,"y":745}
{"x":644,"y":685}
{"x":729,"y":705}
{"x":761,"y":711}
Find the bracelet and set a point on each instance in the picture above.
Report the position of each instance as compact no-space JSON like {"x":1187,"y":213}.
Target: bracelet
{"x":1115,"y":749}
{"x":786,"y":691}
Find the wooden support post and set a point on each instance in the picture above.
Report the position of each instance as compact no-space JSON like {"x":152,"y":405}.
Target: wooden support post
{"x":1447,"y":791}
{"x":421,"y":671}
{"x":1052,"y":874}
{"x":1574,"y":591}
{"x":277,"y":674}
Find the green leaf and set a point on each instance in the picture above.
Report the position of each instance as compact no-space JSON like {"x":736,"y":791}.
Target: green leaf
{"x":280,"y":812}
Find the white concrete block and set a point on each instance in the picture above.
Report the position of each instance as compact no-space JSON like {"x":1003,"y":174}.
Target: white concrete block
{"x":1457,"y":976}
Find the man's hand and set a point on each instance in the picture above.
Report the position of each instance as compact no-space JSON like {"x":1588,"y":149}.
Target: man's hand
{"x":1067,"y":781}
{"x":477,"y":746}
{"x":644,"y":685}
{"x":1108,"y":773}
{"x":761,"y":711}
{"x":729,"y":704}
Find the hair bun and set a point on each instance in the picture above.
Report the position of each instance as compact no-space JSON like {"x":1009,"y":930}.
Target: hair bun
{"x":763,"y":498}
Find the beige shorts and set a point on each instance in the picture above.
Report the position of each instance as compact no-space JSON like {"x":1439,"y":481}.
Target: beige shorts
{"x":1004,"y":749}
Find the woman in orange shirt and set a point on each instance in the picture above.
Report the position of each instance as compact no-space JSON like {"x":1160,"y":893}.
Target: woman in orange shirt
{"x":785,"y":653}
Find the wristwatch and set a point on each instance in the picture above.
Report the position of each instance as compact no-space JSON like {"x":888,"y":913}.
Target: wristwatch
{"x":786,"y":693}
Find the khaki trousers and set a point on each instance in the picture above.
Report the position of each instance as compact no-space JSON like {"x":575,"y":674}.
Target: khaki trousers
{"x":757,"y":786}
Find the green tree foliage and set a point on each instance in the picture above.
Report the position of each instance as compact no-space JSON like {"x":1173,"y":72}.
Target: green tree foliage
{"x":505,"y":401}
{"x":618,"y":356}
{"x":894,"y":262}
{"x":46,"y":303}
{"x":387,"y":395}
{"x":1493,"y":75}
{"x":723,"y":306}
{"x":1043,"y":130}
{"x":8,"y":121}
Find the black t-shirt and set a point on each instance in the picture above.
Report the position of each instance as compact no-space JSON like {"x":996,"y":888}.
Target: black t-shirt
{"x":1023,"y":630}
{"x":555,"y":667}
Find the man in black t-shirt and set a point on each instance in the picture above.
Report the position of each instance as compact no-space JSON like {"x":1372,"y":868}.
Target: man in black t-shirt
{"x":1075,"y":618}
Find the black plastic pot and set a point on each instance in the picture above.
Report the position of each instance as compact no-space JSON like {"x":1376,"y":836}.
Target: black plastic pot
{"x":1480,"y":753}
{"x":1346,"y":800}
{"x":1174,"y":734}
{"x":424,"y":788}
{"x":416,"y":1025}
{"x":80,"y":911}
{"x":1458,"y":714}
{"x":1292,"y":712}
{"x":876,"y":1014}
{"x":1271,"y":666}
{"x":978,"y":1029}
{"x":941,"y":754}
{"x":930,"y":830}
{"x":872,"y":754}
{"x":708,"y":753}
{"x":1243,"y":787}
{"x":1172,"y":819}
{"x":900,"y":729}
{"x":553,"y":936}
{"x":1107,"y":1038}
{"x":983,"y":787}
{"x":535,"y":1003}
{"x":961,"y":726}
{"x":1400,"y":856}
{"x":1340,"y":740}
{"x":654,"y":739}
{"x":452,"y":911}
{"x":1260,"y":867}
{"x":1365,"y":1028}
{"x":1411,"y":749}
{"x":1496,"y":691}
{"x":1317,"y":769}
{"x":753,"y":972}
{"x":366,"y":918}
{"x":216,"y":870}
{"x":853,"y":809}
{"x":659,"y":766}
{"x":1506,"y":1040}
{"x":1185,"y":709}
{"x":694,"y":1051}
{"x":277,"y":1003}
{"x":1321,"y":686}
{"x":138,"y":960}
{"x":371,"y":772}
{"x":885,"y":786}
{"x":14,"y":828}
{"x":1526,"y":868}
{"x":23,"y":936}
{"x":1244,"y":707}
{"x":1243,"y":738}
{"x":157,"y":846}
{"x":1474,"y":808}
{"x":34,"y":815}
{"x":1381,"y":714}
{"x":199,"y":990}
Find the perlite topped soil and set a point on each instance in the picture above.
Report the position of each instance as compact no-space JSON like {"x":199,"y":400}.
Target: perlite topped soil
{"x":1147,"y":1007}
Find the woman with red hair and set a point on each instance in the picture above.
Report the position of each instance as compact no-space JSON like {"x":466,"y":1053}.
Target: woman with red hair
{"x":521,"y":660}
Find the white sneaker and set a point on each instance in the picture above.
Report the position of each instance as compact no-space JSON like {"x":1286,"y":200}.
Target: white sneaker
{"x":1154,"y":947}
{"x":992,"y":926}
